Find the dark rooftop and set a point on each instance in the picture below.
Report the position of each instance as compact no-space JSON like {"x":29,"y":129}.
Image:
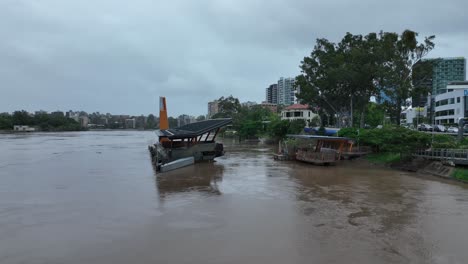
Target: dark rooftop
{"x":194,"y":129}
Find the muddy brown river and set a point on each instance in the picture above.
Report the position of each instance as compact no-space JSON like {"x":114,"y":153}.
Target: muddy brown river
{"x":93,"y":197}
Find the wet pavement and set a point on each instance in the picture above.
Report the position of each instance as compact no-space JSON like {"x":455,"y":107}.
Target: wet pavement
{"x":93,"y":197}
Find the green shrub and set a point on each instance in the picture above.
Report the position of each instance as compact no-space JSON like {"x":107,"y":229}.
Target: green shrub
{"x":460,"y":174}
{"x":384,"y":158}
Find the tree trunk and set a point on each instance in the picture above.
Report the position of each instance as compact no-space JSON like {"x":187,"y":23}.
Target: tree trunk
{"x":362,"y":121}
{"x":351,"y":112}
{"x":398,"y":114}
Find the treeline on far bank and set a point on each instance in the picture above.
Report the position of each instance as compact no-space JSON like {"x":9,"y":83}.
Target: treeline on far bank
{"x":42,"y":121}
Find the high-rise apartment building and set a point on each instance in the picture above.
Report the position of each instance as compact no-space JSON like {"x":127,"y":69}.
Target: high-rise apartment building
{"x":286,"y":93}
{"x":272,"y":94}
{"x":212,"y":108}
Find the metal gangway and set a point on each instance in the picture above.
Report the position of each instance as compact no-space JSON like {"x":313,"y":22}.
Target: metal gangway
{"x":457,"y":156}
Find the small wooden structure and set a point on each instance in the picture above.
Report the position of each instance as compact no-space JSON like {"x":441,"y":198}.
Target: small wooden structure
{"x":322,"y":150}
{"x":355,"y":152}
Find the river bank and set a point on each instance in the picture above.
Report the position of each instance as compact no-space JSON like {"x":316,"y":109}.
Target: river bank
{"x":418,"y":166}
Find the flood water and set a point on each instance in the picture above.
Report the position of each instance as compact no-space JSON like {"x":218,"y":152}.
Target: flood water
{"x":93,"y":197}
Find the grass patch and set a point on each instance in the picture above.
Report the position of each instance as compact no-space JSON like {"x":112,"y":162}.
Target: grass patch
{"x":460,"y":174}
{"x":384,"y":158}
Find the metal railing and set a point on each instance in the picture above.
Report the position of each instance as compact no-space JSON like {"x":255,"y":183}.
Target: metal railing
{"x":443,"y":154}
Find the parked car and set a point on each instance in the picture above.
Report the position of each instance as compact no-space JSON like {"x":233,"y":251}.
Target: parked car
{"x":424,"y":127}
{"x":452,"y":130}
{"x":439,"y":128}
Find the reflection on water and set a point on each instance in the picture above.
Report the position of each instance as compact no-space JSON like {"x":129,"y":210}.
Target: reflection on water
{"x":93,"y":197}
{"x":202,"y":177}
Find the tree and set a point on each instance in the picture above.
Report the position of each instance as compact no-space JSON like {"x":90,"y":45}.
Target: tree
{"x":340,"y":78}
{"x":375,"y":114}
{"x":399,"y":55}
{"x":21,"y":118}
{"x":227,"y":107}
{"x":201,"y":118}
{"x":172,"y":122}
{"x":6,"y":121}
{"x":249,"y":121}
{"x":296,"y":126}
{"x":278,"y":129}
{"x":151,"y":122}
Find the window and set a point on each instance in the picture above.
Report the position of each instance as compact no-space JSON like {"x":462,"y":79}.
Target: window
{"x":458,"y":99}
{"x":442,"y":102}
{"x":451,"y":100}
{"x":445,"y":112}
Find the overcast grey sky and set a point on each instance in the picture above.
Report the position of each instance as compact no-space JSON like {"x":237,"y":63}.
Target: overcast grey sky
{"x":119,"y":56}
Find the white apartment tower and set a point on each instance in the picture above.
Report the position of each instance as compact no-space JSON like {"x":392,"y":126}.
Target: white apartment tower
{"x":286,"y":93}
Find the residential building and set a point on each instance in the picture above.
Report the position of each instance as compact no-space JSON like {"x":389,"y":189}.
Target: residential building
{"x":286,"y":93}
{"x":271,"y":95}
{"x":272,"y":107}
{"x":248,"y":104}
{"x":298,"y":112}
{"x":212,"y":108}
{"x":130,"y":123}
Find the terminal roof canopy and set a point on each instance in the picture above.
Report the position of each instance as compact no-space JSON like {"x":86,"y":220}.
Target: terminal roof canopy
{"x":194,"y":129}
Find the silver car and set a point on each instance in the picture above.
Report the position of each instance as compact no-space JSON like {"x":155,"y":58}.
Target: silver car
{"x":452,"y":130}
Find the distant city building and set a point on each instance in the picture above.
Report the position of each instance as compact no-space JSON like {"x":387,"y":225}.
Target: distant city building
{"x":185,"y":120}
{"x":271,"y":94}
{"x":286,"y":93}
{"x":213,"y":108}
{"x":58,"y":113}
{"x":130,"y":123}
{"x":272,"y":107}
{"x":248,"y":104}
{"x":40,"y":112}
{"x":84,"y":121}
{"x":298,"y":112}
{"x":446,"y":70}
{"x":382,"y":98}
